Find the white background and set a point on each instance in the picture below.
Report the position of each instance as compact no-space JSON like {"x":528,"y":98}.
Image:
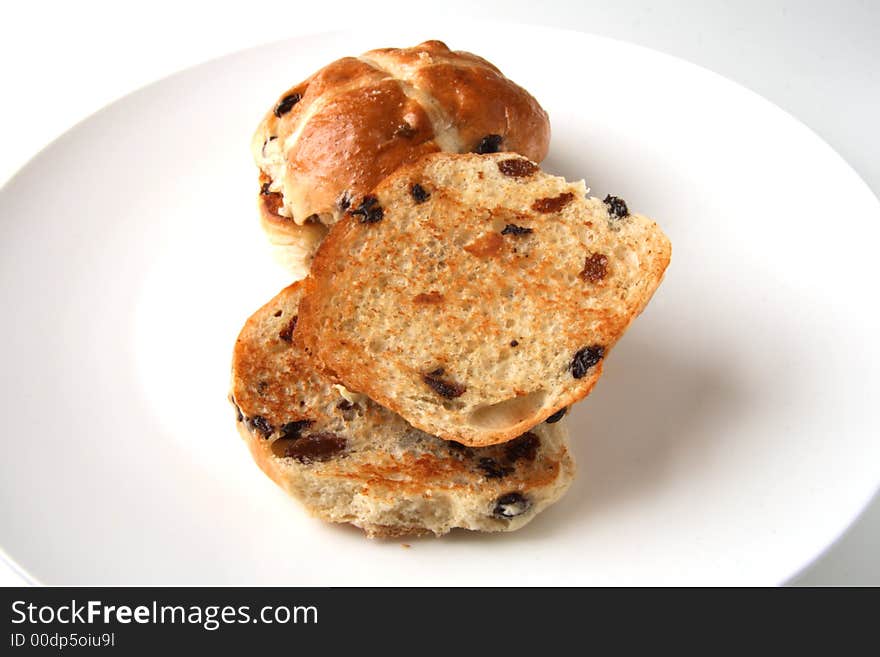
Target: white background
{"x":61,"y":61}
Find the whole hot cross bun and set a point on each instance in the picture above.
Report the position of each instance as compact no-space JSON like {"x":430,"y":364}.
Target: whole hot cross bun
{"x":329,"y":140}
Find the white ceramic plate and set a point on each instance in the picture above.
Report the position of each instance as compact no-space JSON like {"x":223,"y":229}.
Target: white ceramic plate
{"x":730,"y":440}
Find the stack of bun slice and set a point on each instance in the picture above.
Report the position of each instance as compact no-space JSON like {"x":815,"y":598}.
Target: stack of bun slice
{"x":457,"y":299}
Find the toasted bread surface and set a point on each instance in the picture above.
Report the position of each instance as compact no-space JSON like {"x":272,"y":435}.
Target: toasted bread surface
{"x":349,"y":460}
{"x":476,"y":295}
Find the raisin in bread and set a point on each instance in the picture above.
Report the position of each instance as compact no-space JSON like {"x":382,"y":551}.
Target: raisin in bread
{"x":334,"y":136}
{"x":476,"y":295}
{"x":349,"y":460}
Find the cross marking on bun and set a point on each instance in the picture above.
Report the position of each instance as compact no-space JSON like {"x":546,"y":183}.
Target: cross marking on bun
{"x":330,"y":139}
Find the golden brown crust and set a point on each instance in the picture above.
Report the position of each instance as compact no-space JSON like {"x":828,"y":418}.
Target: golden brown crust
{"x":480,"y":102}
{"x":521,"y":332}
{"x":358,"y":119}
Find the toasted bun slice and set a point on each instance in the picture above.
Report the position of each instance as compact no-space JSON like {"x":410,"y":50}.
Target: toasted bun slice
{"x":330,"y":139}
{"x":475,"y":295}
{"x":349,"y":460}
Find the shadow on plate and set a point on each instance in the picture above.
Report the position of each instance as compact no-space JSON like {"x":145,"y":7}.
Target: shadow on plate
{"x":651,"y":406}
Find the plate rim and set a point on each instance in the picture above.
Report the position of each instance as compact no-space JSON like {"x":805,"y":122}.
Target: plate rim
{"x":448,"y":28}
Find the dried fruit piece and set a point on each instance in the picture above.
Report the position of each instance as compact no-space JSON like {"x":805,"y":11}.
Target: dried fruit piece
{"x":264,"y":188}
{"x":558,"y":415}
{"x":286,"y":104}
{"x":404,"y":130}
{"x":317,"y":447}
{"x":273,"y":201}
{"x":369,"y":210}
{"x":585,"y":359}
{"x":514,"y":343}
{"x":487,"y":246}
{"x":523,"y":447}
{"x":492,"y":469}
{"x":511,"y":505}
{"x":552,"y":203}
{"x":489,"y":144}
{"x":293,"y":430}
{"x":517,"y":167}
{"x":616,"y":207}
{"x":261,"y":424}
{"x":444,"y":388}
{"x":419,"y":194}
{"x":513,"y":229}
{"x":286,"y":333}
{"x":595,"y":267}
{"x":344,"y":200}
{"x":428,"y":297}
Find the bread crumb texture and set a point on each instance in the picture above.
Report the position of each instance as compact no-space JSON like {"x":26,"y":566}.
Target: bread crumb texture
{"x":510,"y":283}
{"x":348,"y":460}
